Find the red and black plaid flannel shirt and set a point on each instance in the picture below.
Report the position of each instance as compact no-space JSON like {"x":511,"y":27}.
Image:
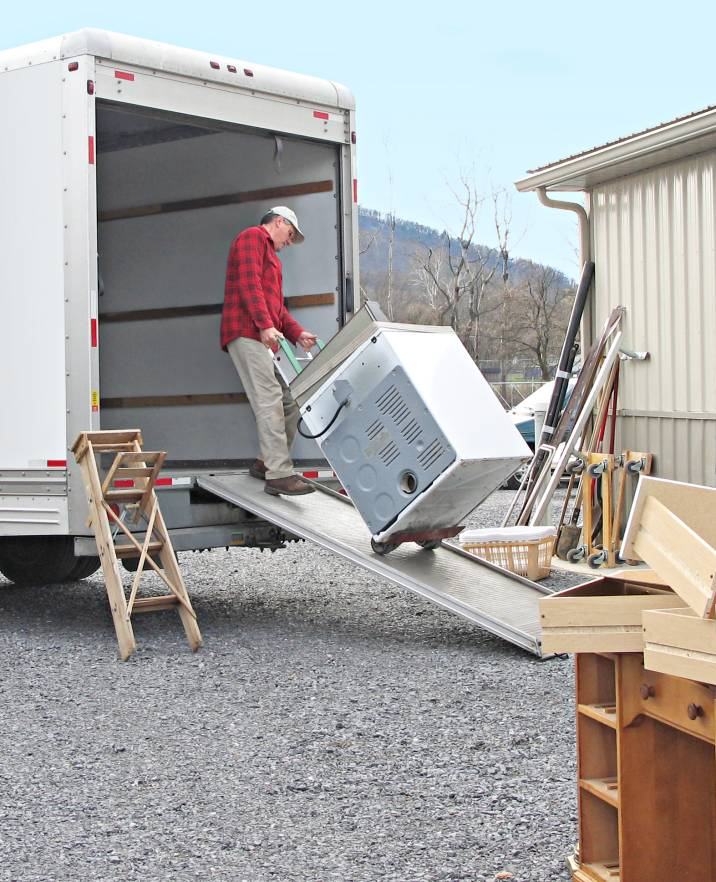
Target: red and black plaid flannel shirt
{"x":253,"y":296}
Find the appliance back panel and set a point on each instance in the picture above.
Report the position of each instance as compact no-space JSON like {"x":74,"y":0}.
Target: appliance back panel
{"x":387,"y":450}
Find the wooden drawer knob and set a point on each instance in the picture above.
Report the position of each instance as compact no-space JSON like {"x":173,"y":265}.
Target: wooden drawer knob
{"x":647,"y":691}
{"x":694,"y":711}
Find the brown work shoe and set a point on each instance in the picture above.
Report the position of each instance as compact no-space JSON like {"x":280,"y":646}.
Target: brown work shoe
{"x":290,"y":486}
{"x":258,"y":470}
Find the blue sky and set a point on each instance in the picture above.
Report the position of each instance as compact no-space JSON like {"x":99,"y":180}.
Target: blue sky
{"x":489,"y":90}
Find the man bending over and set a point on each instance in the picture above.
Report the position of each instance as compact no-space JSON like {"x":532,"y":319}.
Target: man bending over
{"x":253,"y":322}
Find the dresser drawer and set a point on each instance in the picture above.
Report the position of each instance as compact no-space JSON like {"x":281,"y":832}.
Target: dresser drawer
{"x":684,"y":704}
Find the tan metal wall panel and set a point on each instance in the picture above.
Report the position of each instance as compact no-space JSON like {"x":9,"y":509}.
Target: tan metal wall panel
{"x":654,"y":245}
{"x":685,"y":448}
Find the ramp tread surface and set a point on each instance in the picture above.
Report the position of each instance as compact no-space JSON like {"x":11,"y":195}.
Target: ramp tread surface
{"x":497,"y":601}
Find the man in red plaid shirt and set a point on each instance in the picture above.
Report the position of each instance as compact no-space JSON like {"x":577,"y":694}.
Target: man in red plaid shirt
{"x":253,"y":322}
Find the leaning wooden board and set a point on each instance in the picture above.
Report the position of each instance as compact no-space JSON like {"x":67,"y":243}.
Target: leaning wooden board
{"x":672,"y":526}
{"x":603,"y":615}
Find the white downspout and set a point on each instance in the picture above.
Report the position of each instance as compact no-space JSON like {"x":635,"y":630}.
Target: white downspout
{"x":584,"y":253}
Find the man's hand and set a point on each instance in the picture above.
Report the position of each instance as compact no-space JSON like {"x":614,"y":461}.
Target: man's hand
{"x":271,"y":338}
{"x":306,"y":340}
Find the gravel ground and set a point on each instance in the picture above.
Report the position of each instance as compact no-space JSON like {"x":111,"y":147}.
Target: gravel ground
{"x":333,"y":727}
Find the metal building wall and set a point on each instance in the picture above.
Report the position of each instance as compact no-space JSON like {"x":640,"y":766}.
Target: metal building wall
{"x":654,"y":241}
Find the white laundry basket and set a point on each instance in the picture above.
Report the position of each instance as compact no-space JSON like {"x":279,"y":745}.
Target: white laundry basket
{"x":526,"y":551}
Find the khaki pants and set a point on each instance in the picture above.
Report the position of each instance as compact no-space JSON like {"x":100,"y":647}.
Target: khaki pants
{"x":275,"y":410}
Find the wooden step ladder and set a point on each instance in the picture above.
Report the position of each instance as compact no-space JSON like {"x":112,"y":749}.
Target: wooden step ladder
{"x":136,"y":470}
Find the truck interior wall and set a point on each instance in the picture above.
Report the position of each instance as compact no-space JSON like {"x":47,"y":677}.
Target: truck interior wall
{"x":171,"y":259}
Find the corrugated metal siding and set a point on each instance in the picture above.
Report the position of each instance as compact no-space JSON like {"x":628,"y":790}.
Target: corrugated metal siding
{"x":654,"y":241}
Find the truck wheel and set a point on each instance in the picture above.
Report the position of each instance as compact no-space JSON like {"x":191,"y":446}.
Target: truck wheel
{"x":430,"y":544}
{"x":84,"y":566}
{"x":131,"y":564}
{"x":37,"y":560}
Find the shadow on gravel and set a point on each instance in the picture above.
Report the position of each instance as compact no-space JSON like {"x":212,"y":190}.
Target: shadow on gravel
{"x":351,"y":618}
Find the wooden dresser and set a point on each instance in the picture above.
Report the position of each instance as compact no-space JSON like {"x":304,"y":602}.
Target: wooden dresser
{"x":647,"y":773}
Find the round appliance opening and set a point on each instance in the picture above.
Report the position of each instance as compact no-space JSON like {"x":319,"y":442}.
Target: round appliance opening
{"x":408,"y":482}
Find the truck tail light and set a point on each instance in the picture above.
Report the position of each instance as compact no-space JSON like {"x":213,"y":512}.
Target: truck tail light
{"x":90,"y":87}
{"x":231,"y":68}
{"x":73,"y":65}
{"x":215,"y":65}
{"x":247,"y":72}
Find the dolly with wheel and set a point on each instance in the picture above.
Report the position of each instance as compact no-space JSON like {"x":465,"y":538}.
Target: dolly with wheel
{"x":599,"y":467}
{"x":574,"y":555}
{"x":426,"y":539}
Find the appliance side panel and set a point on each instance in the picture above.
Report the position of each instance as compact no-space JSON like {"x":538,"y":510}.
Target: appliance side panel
{"x":458,"y":396}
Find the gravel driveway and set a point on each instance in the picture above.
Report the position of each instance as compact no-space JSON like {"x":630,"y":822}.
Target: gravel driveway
{"x":333,"y":727}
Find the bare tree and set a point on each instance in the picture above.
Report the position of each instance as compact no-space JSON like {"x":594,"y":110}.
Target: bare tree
{"x":425,"y":274}
{"x":389,"y":291}
{"x":458,"y":273}
{"x":503,"y":222}
{"x":391,"y":234}
{"x":366,"y":239}
{"x":485,"y":268}
{"x":538,"y":316}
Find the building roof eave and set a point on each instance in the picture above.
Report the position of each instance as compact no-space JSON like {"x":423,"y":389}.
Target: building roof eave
{"x":672,"y":141}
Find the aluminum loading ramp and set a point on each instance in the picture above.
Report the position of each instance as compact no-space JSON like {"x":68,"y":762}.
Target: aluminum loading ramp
{"x":499,"y":602}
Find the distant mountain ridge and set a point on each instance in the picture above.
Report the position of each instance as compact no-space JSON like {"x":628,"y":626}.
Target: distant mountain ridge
{"x":409,"y":238}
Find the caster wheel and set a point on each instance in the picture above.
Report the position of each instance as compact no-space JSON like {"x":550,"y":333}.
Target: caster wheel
{"x":635,"y":466}
{"x":382,"y":548}
{"x":429,"y":544}
{"x":596,"y":560}
{"x":595,"y":470}
{"x":576,"y":467}
{"x":574,"y":555}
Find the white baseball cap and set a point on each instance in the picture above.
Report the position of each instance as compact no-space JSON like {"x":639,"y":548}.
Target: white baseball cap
{"x":286,"y":213}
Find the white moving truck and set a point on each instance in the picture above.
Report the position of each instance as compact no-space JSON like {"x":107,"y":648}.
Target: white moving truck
{"x":126,"y":168}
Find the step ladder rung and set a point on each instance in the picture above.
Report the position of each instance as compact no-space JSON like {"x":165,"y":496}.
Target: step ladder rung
{"x":113,"y":436}
{"x":126,"y":550}
{"x":152,"y":604}
{"x":125,"y":493}
{"x":124,"y":472}
{"x":145,"y":456}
